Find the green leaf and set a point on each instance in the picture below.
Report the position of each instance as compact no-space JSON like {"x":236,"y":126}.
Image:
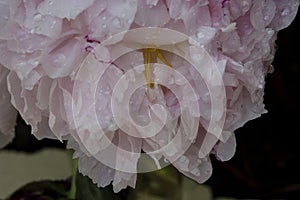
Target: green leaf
{"x":42,"y":190}
{"x":87,"y":190}
{"x":18,"y":168}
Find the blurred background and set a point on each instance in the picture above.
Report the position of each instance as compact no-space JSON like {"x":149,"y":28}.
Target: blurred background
{"x":265,"y":165}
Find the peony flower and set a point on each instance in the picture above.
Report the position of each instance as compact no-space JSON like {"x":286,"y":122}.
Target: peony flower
{"x":173,"y":79}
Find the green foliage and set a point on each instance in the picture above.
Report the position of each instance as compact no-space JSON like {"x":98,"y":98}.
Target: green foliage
{"x":42,"y":190}
{"x":87,"y":190}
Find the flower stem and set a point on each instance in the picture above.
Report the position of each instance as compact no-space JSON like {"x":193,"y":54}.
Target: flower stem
{"x":72,"y":192}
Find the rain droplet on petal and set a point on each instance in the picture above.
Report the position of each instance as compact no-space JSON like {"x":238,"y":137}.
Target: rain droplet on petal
{"x":37,"y":17}
{"x":196,"y":172}
{"x":266,"y":18}
{"x":116,"y":23}
{"x":285,"y":11}
{"x":60,"y":59}
{"x":245,"y":5}
{"x":199,"y":35}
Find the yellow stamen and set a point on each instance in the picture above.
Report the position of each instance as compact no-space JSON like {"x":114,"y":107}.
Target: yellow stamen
{"x":150,"y":56}
{"x":162,"y":59}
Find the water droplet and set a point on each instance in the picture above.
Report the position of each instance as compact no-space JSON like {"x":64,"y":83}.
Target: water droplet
{"x":199,"y":161}
{"x":60,"y":59}
{"x":183,"y":159}
{"x":266,"y":18}
{"x":286,"y":11}
{"x":143,"y":23}
{"x":170,"y":80}
{"x":113,"y":126}
{"x":34,"y":62}
{"x":34,"y":129}
{"x":196,"y":172}
{"x":270,"y":69}
{"x":37,"y":17}
{"x":245,"y":5}
{"x":50,"y":3}
{"x":270,"y":31}
{"x":107,"y":118}
{"x":20,"y":64}
{"x":104,"y":18}
{"x":104,"y":25}
{"x":200,"y":34}
{"x":216,"y":24}
{"x":116,"y":23}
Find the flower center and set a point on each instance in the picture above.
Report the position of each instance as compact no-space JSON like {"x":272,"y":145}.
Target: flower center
{"x":150,"y":57}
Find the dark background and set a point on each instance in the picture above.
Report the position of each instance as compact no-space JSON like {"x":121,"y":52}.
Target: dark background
{"x":266,"y":161}
{"x":265,"y":165}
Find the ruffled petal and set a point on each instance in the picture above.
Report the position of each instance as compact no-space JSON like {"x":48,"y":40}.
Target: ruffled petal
{"x":67,"y":9}
{"x":8,"y":114}
{"x":150,"y":15}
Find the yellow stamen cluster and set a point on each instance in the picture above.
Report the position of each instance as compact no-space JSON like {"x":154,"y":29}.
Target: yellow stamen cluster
{"x":150,"y":57}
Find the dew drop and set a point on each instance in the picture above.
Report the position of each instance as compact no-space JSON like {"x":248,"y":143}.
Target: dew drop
{"x":266,"y":18}
{"x":245,"y":5}
{"x":216,"y":24}
{"x":200,"y":34}
{"x":196,"y":172}
{"x":104,"y":25}
{"x":183,"y":159}
{"x":50,"y":3}
{"x":285,"y":11}
{"x":129,"y":21}
{"x":204,"y":159}
{"x":116,"y":23}
{"x":270,"y":31}
{"x":113,"y":126}
{"x":37,"y":17}
{"x":60,"y":59}
{"x":170,"y":80}
{"x":34,"y":129}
